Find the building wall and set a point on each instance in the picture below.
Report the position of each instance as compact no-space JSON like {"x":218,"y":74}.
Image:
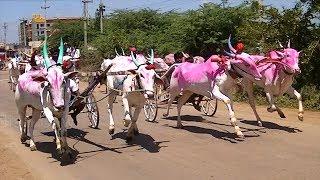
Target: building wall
{"x":35,"y":28}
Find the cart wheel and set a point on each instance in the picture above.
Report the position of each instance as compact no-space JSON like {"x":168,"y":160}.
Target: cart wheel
{"x":151,"y":110}
{"x":209,"y":106}
{"x":93,"y":111}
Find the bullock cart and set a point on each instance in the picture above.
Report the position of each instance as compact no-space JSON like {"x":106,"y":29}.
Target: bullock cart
{"x":205,"y":104}
{"x":87,"y":100}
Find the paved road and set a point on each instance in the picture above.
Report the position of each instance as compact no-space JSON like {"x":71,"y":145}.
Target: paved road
{"x":205,"y":149}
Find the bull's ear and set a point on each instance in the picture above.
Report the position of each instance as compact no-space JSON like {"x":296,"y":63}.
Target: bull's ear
{"x":70,"y":74}
{"x":39,"y":78}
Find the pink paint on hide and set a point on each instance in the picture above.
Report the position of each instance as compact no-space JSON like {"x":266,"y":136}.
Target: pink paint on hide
{"x":27,"y":84}
{"x":190,"y":73}
{"x":271,"y":70}
{"x":55,"y":77}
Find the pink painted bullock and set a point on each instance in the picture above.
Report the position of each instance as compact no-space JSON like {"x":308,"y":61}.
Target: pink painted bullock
{"x":46,"y":90}
{"x":136,"y":82}
{"x":278,"y":71}
{"x":207,"y":79}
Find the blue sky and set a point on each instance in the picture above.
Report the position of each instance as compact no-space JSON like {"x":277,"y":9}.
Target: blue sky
{"x":13,"y":10}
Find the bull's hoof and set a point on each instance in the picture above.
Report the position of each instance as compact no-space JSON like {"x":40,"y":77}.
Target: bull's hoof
{"x":23,"y":139}
{"x":126,"y":123}
{"x":259,"y":123}
{"x":111,"y":131}
{"x":129,"y":139}
{"x":179,"y":126}
{"x":281,"y":115}
{"x":136,"y":132}
{"x":60,"y":151}
{"x":33,"y":148}
{"x":300,"y":117}
{"x":240,"y":134}
{"x":165,"y":115}
{"x":269,"y":109}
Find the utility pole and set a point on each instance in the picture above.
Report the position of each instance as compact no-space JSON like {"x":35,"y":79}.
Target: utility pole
{"x":101,"y":10}
{"x":5,"y":28}
{"x":85,"y":24}
{"x":45,"y":7}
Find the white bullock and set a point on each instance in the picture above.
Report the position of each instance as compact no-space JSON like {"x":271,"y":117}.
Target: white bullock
{"x":46,"y":90}
{"x":135,"y":80}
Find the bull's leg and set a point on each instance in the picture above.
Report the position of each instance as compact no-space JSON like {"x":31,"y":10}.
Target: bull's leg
{"x":249,"y":89}
{"x":273,"y":107}
{"x":216,"y":92}
{"x":127,"y":115}
{"x":133,"y":129}
{"x":293,"y":93}
{"x":109,"y":109}
{"x":181,"y":101}
{"x":173,"y":95}
{"x":35,"y":117}
{"x":22,"y":122}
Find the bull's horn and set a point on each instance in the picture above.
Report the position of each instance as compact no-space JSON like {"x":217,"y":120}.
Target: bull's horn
{"x":288,"y":44}
{"x":134,"y":60}
{"x":123,"y":52}
{"x":46,"y":61}
{"x":281,"y":46}
{"x":230,"y":46}
{"x":185,"y":55}
{"x":115,"y":50}
{"x":60,"y":57}
{"x":152,"y":57}
{"x":229,"y":54}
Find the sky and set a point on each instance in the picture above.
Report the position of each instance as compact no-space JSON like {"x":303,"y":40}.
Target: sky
{"x":13,"y":10}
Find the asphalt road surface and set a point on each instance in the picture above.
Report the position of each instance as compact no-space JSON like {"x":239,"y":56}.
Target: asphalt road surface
{"x":205,"y":149}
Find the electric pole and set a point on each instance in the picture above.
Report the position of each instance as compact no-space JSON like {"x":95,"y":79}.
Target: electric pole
{"x":5,"y":28}
{"x":45,"y":7}
{"x":85,"y":18}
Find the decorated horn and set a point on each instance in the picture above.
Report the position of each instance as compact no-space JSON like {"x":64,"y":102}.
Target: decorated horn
{"x":281,"y":46}
{"x":230,"y":46}
{"x":115,"y":50}
{"x":288,"y":44}
{"x":134,"y":60}
{"x":46,"y":61}
{"x":123,"y":52}
{"x":60,"y":57}
{"x":229,"y":54}
{"x":152,"y":57}
{"x":185,"y":55}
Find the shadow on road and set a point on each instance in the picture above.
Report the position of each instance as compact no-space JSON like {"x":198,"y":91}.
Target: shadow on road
{"x":76,"y":134}
{"x":230,"y":136}
{"x":187,"y":118}
{"x":145,"y":141}
{"x":271,"y":125}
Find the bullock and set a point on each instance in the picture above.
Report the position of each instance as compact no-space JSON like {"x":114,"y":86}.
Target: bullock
{"x":278,"y":71}
{"x":46,"y":90}
{"x":136,"y":82}
{"x":207,"y":79}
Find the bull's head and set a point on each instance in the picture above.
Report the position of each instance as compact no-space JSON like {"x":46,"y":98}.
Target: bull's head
{"x":146,"y":75}
{"x":55,"y":81}
{"x":290,"y":57}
